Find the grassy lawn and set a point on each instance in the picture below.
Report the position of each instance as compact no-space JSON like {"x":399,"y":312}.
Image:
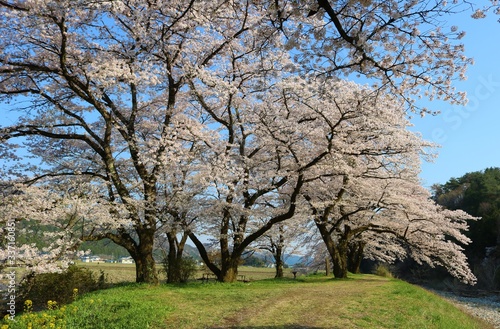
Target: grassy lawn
{"x":115,"y":272}
{"x":362,"y":301}
{"x":118,"y":273}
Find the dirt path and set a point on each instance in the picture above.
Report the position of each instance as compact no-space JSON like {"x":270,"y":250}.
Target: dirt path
{"x":304,"y":306}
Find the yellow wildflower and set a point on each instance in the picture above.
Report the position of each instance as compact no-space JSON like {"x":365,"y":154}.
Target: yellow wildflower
{"x":51,"y":304}
{"x":28,"y":306}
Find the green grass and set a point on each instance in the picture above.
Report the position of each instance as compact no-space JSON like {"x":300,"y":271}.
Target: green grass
{"x":118,"y":273}
{"x":362,"y":301}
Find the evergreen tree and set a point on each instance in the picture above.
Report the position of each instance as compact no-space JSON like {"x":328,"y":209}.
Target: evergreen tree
{"x":477,"y":193}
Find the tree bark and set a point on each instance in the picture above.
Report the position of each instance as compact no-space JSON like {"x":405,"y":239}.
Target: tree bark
{"x":278,"y":256}
{"x":340,"y":260}
{"x":145,"y":268}
{"x":173,"y":263}
{"x":141,"y":251}
{"x":355,"y":256}
{"x":279,"y":262}
{"x":145,"y":265}
{"x":337,"y":252}
{"x":174,"y":257}
{"x":229,"y":270}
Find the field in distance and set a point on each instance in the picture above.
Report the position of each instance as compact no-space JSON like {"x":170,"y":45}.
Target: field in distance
{"x":118,"y":273}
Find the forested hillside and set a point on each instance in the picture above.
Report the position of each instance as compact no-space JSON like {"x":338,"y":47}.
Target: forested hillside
{"x":477,"y":193}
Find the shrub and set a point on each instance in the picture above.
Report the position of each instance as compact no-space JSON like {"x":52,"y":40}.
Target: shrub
{"x":184,"y":269}
{"x":383,"y":270}
{"x":61,"y":287}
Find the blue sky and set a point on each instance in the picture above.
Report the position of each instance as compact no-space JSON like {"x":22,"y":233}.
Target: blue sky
{"x":469,"y":135}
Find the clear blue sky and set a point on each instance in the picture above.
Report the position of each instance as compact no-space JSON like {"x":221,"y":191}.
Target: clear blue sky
{"x":469,"y":135}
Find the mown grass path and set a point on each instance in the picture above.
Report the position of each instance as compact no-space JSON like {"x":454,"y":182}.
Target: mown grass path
{"x":363,"y":302}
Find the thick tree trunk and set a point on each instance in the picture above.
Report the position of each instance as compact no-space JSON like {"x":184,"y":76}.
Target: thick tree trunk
{"x":145,"y":265}
{"x":229,"y":268}
{"x":141,"y":252}
{"x":338,"y":252}
{"x":340,"y":261}
{"x":145,"y":268}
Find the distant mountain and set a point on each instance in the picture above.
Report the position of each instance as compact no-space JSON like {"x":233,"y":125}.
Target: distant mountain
{"x":104,"y":247}
{"x":293,"y":259}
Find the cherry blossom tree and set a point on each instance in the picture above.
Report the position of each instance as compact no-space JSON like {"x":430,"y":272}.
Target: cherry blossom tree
{"x":403,"y":47}
{"x":432,"y":235}
{"x":181,"y":187}
{"x":121,"y":94}
{"x":105,"y":84}
{"x":383,"y":211}
{"x":258,"y":160}
{"x":282,"y":241}
{"x":302,"y":139}
{"x":50,"y":220}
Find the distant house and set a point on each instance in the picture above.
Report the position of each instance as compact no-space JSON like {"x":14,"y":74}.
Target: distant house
{"x":126,"y":260}
{"x":90,"y":259}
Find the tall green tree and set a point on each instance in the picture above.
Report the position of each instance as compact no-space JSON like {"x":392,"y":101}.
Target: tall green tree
{"x":477,"y":193}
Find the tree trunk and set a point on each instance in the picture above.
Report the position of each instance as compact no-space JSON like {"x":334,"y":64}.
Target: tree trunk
{"x":355,"y":256}
{"x":141,"y":252}
{"x":174,"y":257}
{"x":338,"y":252}
{"x":340,"y":261}
{"x":145,"y":269}
{"x":229,"y":270}
{"x":342,"y":250}
{"x":204,"y":255}
{"x":145,"y":265}
{"x":278,"y":258}
{"x":173,"y":263}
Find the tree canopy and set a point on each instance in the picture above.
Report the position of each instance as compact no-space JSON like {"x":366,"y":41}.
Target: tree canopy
{"x":477,"y":193}
{"x":138,"y":118}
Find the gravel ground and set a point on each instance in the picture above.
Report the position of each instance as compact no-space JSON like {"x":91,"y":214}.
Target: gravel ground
{"x":486,"y":308}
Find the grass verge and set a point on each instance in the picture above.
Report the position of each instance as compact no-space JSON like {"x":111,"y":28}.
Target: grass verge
{"x":362,"y":301}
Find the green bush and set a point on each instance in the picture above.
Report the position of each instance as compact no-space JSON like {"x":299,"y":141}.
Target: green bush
{"x":61,"y":287}
{"x":183,"y":269}
{"x":383,"y":271}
